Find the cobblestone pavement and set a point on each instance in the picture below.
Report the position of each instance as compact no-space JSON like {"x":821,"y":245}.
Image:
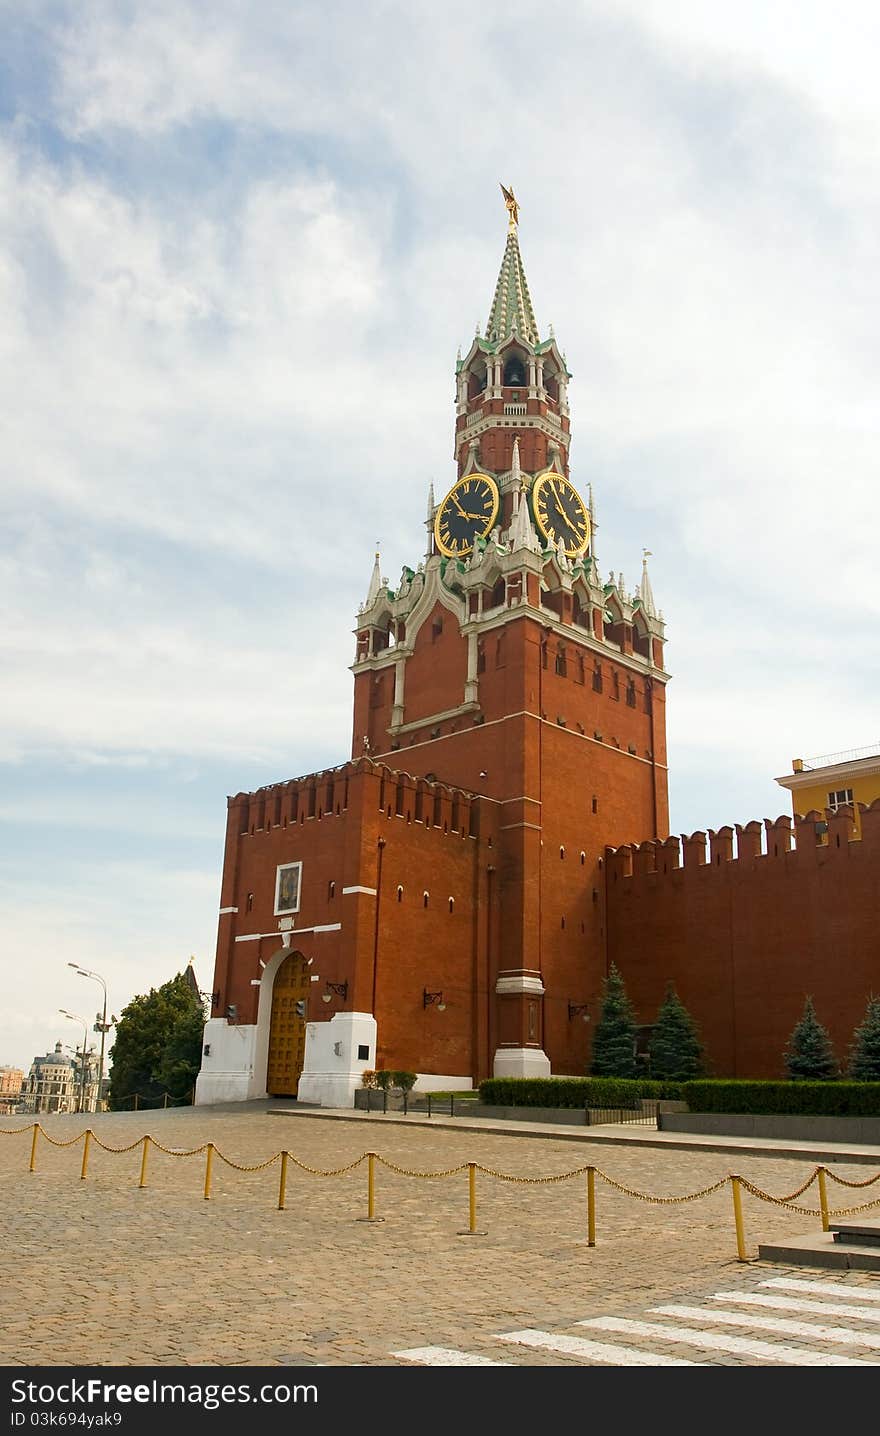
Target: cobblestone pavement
{"x":98,"y":1271}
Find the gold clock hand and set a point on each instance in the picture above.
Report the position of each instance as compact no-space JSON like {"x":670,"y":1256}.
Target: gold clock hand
{"x":560,"y":506}
{"x":459,"y":507}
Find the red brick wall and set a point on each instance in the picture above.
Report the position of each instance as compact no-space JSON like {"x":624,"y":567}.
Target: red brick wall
{"x":745,"y":940}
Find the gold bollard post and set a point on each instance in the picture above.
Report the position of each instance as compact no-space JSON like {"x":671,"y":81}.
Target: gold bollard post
{"x":282,"y":1185}
{"x":591,"y":1206}
{"x":823,"y":1198}
{"x":472,"y":1204}
{"x":143,"y":1180}
{"x":85,"y":1161}
{"x":741,"y":1252}
{"x":33,"y":1166}
{"x":135,"y":1107}
{"x":371,"y":1190}
{"x":164,"y":1099}
{"x":209,"y":1157}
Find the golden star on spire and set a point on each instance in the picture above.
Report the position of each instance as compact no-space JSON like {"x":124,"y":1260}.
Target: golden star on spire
{"x":511,"y":205}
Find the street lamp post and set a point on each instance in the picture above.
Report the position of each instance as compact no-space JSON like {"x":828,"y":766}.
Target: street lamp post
{"x":75,"y":1017}
{"x":96,"y":977}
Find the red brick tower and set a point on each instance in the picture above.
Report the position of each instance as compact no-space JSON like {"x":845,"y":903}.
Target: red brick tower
{"x":503,"y":664}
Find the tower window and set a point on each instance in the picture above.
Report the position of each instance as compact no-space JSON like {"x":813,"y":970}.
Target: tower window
{"x":400,"y":893}
{"x":436,"y":628}
{"x":426,"y":897}
{"x":597,"y":678}
{"x":615,"y":685}
{"x":514,"y":372}
{"x":561,"y":664}
{"x":481,"y":658}
{"x":595,"y":804}
{"x":630,"y":693}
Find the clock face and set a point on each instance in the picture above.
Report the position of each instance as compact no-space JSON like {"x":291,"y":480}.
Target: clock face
{"x":466,"y":514}
{"x":560,"y":513}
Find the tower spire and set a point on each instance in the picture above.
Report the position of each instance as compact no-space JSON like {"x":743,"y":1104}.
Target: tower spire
{"x":376,"y":584}
{"x":645,"y":590}
{"x":512,"y":304}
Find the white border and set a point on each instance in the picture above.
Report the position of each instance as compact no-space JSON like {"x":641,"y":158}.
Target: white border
{"x":282,"y":868}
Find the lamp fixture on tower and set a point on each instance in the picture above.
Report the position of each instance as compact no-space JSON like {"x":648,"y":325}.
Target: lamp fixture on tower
{"x":339,"y":988}
{"x":579,"y":1009}
{"x":433,"y":999}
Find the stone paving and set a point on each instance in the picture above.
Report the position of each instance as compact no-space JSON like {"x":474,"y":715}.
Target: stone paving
{"x":102,"y":1272}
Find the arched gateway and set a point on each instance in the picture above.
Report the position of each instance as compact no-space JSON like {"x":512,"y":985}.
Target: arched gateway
{"x":287,"y":1029}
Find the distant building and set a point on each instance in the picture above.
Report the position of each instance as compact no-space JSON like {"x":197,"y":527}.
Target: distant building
{"x":11,"y":1080}
{"x":833,"y":781}
{"x":55,"y":1083}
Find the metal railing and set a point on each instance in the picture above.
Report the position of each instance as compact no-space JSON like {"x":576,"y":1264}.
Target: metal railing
{"x":827,"y":760}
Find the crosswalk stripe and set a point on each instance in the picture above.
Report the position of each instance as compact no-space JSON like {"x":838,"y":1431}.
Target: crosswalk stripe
{"x":795,"y":1303}
{"x":843,"y":1335}
{"x":444,"y":1356}
{"x":716,"y":1341}
{"x":824,"y":1288}
{"x":593,"y":1350}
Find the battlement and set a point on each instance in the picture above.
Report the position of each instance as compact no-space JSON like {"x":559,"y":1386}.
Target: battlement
{"x":328,"y":793}
{"x":803,"y":838}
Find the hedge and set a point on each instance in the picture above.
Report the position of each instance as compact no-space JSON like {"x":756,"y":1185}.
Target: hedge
{"x":573,"y":1091}
{"x":815,"y":1099}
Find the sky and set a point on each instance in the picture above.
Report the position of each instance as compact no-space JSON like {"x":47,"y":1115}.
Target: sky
{"x":240,"y":246}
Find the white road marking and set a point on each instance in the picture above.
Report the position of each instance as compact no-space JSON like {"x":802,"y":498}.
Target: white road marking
{"x":593,"y":1350}
{"x":796,"y":1303}
{"x":444,"y":1356}
{"x":715,"y":1341}
{"x":824,"y":1288}
{"x":843,"y":1335}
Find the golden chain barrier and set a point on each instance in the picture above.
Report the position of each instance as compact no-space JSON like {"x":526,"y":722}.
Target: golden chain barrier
{"x":842,"y":1181}
{"x":788,"y":1201}
{"x":332,"y":1171}
{"x":244,"y":1166}
{"x":662,"y":1201}
{"x":427,"y":1176}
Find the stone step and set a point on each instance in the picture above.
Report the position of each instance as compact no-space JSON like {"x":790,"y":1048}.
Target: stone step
{"x":860,"y":1233}
{"x":821,"y":1249}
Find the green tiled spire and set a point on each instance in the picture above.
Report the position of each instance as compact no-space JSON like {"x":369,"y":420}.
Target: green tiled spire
{"x":512,"y":305}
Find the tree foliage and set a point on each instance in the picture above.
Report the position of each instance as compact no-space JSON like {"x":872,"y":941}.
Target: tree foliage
{"x":864,"y":1054}
{"x":675,"y":1049}
{"x":614,"y":1040}
{"x":158,"y":1044}
{"x":809,"y":1052}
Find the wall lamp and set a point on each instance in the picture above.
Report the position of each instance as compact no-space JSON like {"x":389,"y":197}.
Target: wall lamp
{"x":340,"y":988}
{"x":579,"y":1009}
{"x":433,"y":999}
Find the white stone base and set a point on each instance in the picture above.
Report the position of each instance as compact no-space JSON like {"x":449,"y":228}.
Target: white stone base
{"x":227,"y":1073}
{"x":521,"y":1062}
{"x":332,"y":1069}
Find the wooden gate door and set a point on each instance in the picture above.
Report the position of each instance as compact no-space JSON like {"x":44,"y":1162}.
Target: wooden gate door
{"x":287,"y":1030}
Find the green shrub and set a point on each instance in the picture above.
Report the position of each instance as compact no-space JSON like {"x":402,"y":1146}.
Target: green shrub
{"x":675,"y":1049}
{"x":573,"y":1091}
{"x":405,"y":1081}
{"x":816,"y":1099}
{"x":383,"y":1079}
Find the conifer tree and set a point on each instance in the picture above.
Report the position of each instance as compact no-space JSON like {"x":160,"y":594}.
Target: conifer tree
{"x":864,"y":1054}
{"x":675,"y":1049}
{"x":615,"y":1037}
{"x":809,"y":1053}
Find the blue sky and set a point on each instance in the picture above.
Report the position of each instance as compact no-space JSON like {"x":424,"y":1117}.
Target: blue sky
{"x":237,"y":258}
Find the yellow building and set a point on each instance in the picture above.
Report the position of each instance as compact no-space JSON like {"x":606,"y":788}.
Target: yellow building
{"x":833,"y":780}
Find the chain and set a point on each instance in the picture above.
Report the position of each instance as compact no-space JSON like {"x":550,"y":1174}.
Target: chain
{"x":177,"y":1152}
{"x":405,"y":1172}
{"x":851,"y":1211}
{"x":130,"y":1148}
{"x":55,"y":1143}
{"x":531,"y":1181}
{"x":14,"y":1131}
{"x":841,"y":1181}
{"x":331,"y":1172}
{"x":243,"y":1166}
{"x":662,"y":1201}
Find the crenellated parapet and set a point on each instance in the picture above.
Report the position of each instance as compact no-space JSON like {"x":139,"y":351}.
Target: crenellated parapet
{"x":799,"y":840}
{"x":330,"y":792}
